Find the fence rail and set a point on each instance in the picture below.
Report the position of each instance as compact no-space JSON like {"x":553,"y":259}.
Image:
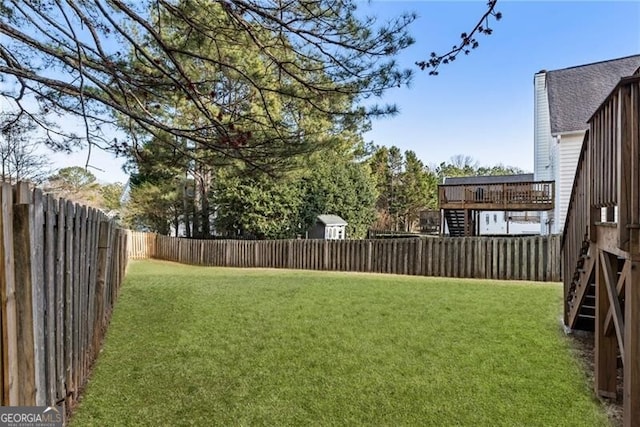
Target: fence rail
{"x":62,"y":266}
{"x":522,"y":258}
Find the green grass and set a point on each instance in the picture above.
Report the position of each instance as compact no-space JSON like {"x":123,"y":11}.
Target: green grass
{"x":211,"y":346}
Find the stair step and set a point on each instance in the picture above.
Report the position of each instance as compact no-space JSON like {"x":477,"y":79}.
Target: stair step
{"x":586,"y":316}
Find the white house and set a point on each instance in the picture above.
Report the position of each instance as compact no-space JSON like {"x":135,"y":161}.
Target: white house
{"x":564,"y":100}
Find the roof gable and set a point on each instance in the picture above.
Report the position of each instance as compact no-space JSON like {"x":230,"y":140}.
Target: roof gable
{"x":575,"y":93}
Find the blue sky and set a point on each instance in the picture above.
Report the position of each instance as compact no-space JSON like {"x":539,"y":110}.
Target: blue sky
{"x":482,"y":104}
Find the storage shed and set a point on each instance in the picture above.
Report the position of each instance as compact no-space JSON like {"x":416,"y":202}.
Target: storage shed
{"x":330,"y":227}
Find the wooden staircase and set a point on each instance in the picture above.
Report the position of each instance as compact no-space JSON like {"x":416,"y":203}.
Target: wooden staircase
{"x":581,"y":296}
{"x":587,"y":312}
{"x":456,"y":222}
{"x":601,"y":246}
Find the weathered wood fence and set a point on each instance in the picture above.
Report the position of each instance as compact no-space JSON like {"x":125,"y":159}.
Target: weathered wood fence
{"x":61,"y":268}
{"x":511,"y":258}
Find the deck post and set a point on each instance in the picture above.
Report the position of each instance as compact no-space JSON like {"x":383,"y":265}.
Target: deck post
{"x":629,"y":140}
{"x":606,"y":347}
{"x":632,"y":346}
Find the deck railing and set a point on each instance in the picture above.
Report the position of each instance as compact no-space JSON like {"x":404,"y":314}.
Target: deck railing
{"x":615,"y":130}
{"x":533,"y":195}
{"x":604,"y":150}
{"x":575,"y":227}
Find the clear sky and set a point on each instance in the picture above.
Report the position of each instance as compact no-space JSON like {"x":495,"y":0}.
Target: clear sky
{"x":482,"y":104}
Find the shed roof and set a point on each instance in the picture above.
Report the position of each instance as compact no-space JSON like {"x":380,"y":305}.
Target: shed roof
{"x":331,"y":220}
{"x":488,"y":179}
{"x":576,"y":92}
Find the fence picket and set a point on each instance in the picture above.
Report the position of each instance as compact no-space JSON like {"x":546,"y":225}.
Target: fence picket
{"x":23,"y":226}
{"x":49,"y":276}
{"x":58,"y":212}
{"x":40,"y":288}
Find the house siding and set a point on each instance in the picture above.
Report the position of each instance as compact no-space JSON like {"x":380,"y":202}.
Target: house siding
{"x":564,"y":101}
{"x":543,"y":159}
{"x":494,"y":223}
{"x":542,"y":162}
{"x":568,"y":147}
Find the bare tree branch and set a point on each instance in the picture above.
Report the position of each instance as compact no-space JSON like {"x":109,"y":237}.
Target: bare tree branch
{"x":467,"y":44}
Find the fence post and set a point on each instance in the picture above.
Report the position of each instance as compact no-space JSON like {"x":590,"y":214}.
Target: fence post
{"x":22,"y":247}
{"x":10,"y":390}
{"x":325,"y":250}
{"x":153,"y":246}
{"x":103,"y":250}
{"x":39,"y":293}
{"x":49,"y":259}
{"x":59,"y":215}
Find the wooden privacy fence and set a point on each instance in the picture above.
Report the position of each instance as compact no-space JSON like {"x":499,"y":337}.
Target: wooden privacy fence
{"x":511,"y":258}
{"x":62,"y":266}
{"x":141,"y":244}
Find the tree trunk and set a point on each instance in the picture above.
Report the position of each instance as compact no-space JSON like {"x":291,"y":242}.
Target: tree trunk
{"x":185,"y":208}
{"x":205,"y":206}
{"x":176,"y":222}
{"x":197,"y":227}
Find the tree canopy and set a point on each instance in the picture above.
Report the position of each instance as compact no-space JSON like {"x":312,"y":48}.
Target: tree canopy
{"x":461,"y":165}
{"x":239,"y":76}
{"x":262,"y":98}
{"x":136,"y":60}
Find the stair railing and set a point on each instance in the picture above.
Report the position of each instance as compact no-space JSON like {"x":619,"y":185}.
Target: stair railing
{"x":576,"y":224}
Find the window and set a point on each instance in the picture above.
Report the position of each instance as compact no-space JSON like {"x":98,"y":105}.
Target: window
{"x":495,"y":218}
{"x":487,"y":219}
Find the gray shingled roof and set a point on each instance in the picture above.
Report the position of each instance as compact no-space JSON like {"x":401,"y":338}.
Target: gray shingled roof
{"x":488,"y":179}
{"x":331,"y":220}
{"x":576,"y":92}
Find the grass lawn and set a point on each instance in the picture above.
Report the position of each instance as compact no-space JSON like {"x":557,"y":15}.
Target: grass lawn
{"x":212,"y":346}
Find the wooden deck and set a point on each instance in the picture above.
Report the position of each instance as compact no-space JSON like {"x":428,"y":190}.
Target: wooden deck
{"x":517,"y":196}
{"x":601,"y":244}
